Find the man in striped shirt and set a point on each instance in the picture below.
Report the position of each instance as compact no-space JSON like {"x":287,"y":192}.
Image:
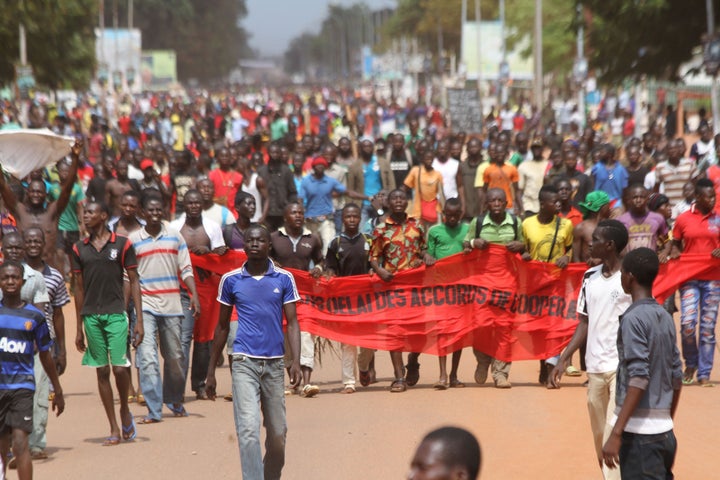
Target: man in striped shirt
{"x":163,"y":259}
{"x":674,"y":173}
{"x":34,"y":239}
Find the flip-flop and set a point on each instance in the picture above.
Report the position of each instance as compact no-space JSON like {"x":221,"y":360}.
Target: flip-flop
{"x":178,"y":410}
{"x":148,"y":421}
{"x":111,"y":441}
{"x":126,"y":431}
{"x":398,"y":386}
{"x":689,"y":375}
{"x":455,"y":383}
{"x":441,"y":386}
{"x":571,"y":371}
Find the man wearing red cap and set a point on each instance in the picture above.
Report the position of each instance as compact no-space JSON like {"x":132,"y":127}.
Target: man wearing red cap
{"x":151,"y":179}
{"x":316,"y":190}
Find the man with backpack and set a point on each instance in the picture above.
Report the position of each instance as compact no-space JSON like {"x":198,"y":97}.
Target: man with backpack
{"x":500,"y":227}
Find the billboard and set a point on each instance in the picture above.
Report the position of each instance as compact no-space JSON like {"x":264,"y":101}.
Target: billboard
{"x":159,"y":69}
{"x":118,"y":56}
{"x":488,"y":36}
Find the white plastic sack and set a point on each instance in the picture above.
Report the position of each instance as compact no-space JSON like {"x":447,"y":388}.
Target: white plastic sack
{"x":25,"y":150}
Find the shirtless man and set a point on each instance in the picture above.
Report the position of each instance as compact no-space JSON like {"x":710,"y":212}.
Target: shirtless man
{"x":202,"y":236}
{"x":35,"y":212}
{"x":596,"y":207}
{"x":115,"y":187}
{"x":128,"y":221}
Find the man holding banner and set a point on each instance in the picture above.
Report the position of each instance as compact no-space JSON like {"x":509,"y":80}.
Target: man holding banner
{"x":500,"y":227}
{"x":548,"y":238}
{"x":398,"y":244}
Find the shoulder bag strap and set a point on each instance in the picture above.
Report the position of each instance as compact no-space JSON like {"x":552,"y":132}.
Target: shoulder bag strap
{"x":552,"y":245}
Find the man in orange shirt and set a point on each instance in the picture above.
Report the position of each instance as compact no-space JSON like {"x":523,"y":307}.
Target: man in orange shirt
{"x":504,"y":176}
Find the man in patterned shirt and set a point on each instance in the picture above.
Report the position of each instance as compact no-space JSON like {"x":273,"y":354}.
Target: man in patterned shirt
{"x":398,"y":244}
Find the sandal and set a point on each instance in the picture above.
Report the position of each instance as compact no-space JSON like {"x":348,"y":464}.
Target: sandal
{"x":571,"y":371}
{"x":141,"y":400}
{"x":441,"y":386}
{"x":111,"y":441}
{"x":348,"y":389}
{"x":129,"y":433}
{"x":178,"y":409}
{"x":704,"y":382}
{"x":413,"y":374}
{"x":455,"y":383}
{"x":688,"y":375}
{"x":398,"y":386}
{"x":148,"y":421}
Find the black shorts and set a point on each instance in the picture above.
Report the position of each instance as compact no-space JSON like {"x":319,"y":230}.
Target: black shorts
{"x":16,"y":410}
{"x":65,"y":240}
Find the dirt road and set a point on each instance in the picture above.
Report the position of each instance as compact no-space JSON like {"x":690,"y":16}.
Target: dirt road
{"x":526,"y":432}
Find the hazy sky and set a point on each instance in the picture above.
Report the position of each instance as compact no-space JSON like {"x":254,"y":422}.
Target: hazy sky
{"x":273,"y":23}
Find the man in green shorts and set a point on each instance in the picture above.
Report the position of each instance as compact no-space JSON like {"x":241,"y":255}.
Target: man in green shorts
{"x":98,"y":263}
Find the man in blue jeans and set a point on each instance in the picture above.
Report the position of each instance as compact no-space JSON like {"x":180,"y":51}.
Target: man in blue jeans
{"x":261,"y":293}
{"x":649,"y":378}
{"x":163,"y":259}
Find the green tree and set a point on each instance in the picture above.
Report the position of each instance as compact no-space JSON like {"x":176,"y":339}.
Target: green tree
{"x":650,"y":37}
{"x":335,"y":50}
{"x":206,"y":36}
{"x":559,"y":32}
{"x":60,"y":41}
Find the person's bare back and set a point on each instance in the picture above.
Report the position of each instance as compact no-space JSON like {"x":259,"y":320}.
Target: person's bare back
{"x":582,"y":238}
{"x":114,"y":190}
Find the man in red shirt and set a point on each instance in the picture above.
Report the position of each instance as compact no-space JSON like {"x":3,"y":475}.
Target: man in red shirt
{"x":227,"y":181}
{"x":698,"y":231}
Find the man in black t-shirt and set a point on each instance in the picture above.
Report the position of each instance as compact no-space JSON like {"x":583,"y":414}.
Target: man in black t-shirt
{"x":98,"y":263}
{"x":347,"y":255}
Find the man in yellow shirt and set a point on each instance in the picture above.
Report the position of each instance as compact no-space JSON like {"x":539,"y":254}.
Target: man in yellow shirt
{"x":548,"y":238}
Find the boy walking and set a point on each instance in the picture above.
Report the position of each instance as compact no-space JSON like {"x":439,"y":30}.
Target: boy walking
{"x":23,"y":328}
{"x":649,"y":378}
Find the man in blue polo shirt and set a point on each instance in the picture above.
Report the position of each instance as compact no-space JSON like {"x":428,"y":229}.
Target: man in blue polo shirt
{"x":261,"y":293}
{"x":317,"y":190}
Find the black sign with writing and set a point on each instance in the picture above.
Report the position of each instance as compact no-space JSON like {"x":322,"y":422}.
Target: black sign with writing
{"x":464,"y":109}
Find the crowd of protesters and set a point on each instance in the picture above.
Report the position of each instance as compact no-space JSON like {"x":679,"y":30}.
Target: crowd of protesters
{"x":315,"y":182}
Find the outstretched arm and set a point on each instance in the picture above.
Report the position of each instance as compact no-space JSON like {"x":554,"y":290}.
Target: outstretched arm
{"x":67,"y":187}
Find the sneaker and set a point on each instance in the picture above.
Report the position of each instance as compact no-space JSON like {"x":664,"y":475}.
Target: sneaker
{"x":310,"y":391}
{"x":502,"y":382}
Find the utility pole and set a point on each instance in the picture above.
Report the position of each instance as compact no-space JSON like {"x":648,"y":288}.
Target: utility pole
{"x":538,"y":56}
{"x":463,"y":19}
{"x":504,"y":71}
{"x":714,"y":85}
{"x":478,"y":19}
{"x":581,"y":66}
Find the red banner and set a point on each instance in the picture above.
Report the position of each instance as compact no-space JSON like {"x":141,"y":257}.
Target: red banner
{"x":491,"y":300}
